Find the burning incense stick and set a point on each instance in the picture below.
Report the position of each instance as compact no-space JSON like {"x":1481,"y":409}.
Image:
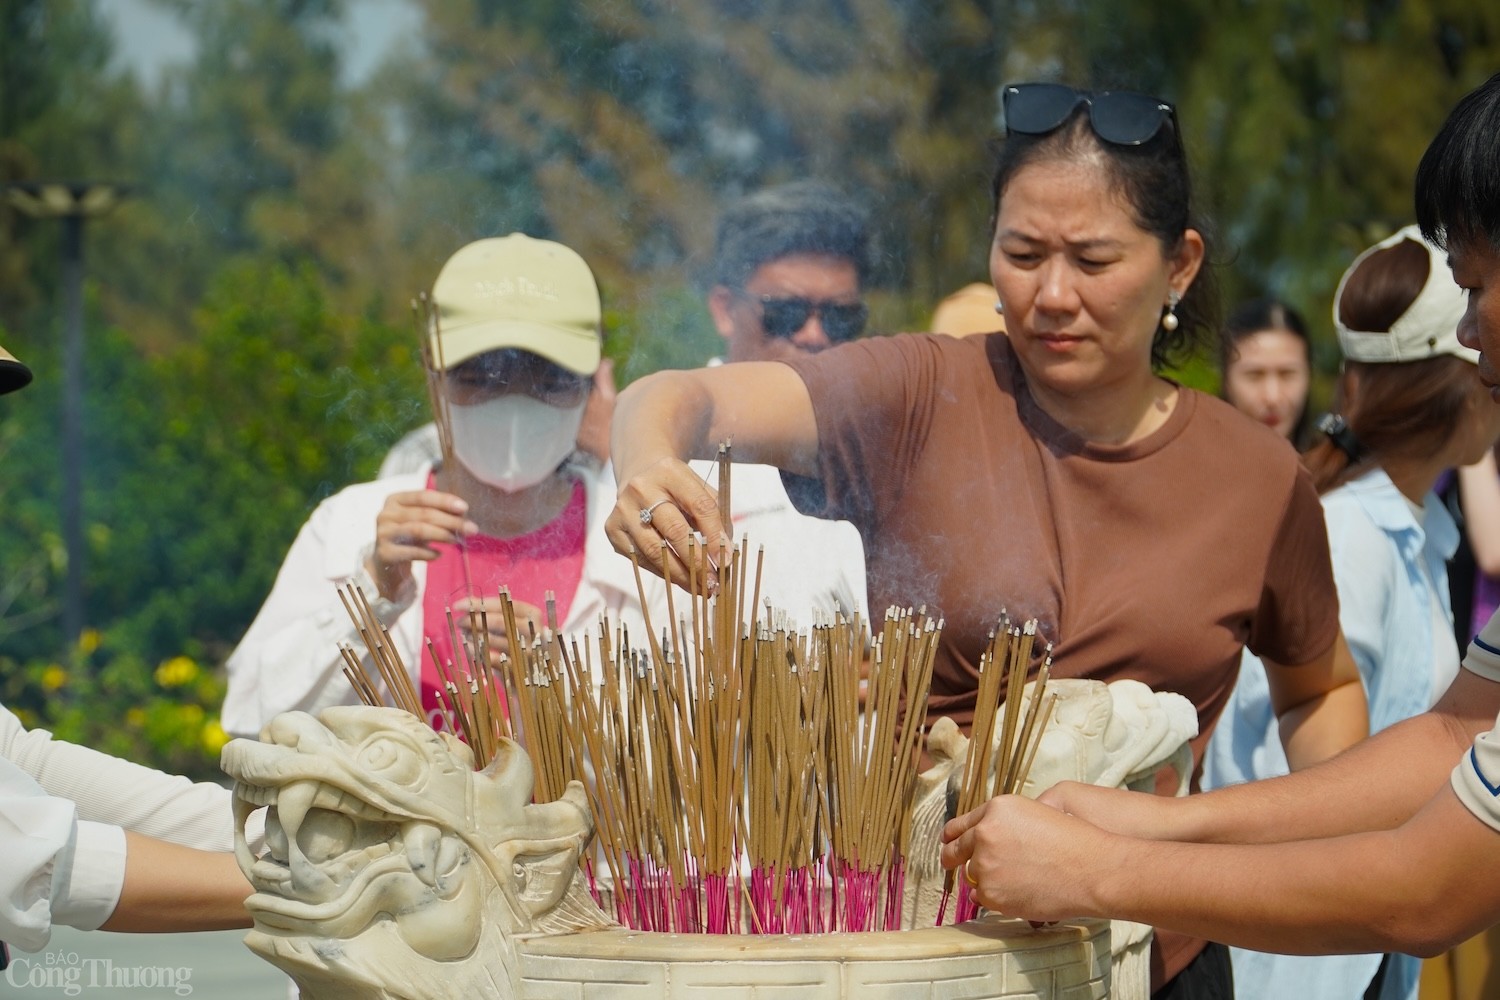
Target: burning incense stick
{"x":1007,"y":759}
{"x":383,"y":654}
{"x":425,"y":313}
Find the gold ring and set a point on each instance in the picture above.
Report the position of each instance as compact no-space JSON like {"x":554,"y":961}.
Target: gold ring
{"x":969,"y":877}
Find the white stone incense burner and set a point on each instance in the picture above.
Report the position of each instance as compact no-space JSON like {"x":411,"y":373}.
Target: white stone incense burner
{"x":394,"y":871}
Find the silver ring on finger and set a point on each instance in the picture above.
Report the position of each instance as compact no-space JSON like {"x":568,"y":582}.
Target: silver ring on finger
{"x":646,"y":511}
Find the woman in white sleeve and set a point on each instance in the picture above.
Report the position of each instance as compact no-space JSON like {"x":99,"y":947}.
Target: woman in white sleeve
{"x":92,"y":841}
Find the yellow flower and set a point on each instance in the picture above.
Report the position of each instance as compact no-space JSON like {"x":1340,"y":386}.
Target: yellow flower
{"x":176,"y":672}
{"x":135,"y":718}
{"x":88,"y":640}
{"x":54,"y":677}
{"x":214,"y":736}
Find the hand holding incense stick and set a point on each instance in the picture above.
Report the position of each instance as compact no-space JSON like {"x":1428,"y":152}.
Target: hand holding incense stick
{"x":657,"y":522}
{"x":412,"y":522}
{"x":406,"y":529}
{"x":496,"y":617}
{"x":425,"y":313}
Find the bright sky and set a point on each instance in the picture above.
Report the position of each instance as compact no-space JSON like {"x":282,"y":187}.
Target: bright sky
{"x":151,"y":37}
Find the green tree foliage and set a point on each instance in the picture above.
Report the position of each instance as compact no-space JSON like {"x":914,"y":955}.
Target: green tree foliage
{"x":256,"y":150}
{"x":246,"y":351}
{"x":619,"y":129}
{"x":280,"y":401}
{"x":60,"y":114}
{"x":205,"y":460}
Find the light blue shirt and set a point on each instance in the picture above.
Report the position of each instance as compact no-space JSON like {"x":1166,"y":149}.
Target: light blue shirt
{"x":1388,"y":569}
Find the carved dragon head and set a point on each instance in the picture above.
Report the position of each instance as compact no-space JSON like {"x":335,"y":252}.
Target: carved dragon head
{"x":393,"y":868}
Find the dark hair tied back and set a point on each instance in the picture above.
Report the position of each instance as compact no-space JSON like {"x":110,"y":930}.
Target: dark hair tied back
{"x":1337,"y":430}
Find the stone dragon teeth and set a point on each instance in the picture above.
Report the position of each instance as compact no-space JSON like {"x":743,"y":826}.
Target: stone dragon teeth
{"x":326,"y":797}
{"x":386,"y":851}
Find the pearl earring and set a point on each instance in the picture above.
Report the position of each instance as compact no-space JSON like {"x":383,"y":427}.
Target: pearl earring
{"x":1169,"y":321}
{"x":1000,"y":307}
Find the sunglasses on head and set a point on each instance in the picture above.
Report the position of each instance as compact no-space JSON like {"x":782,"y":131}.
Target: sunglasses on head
{"x":783,"y":317}
{"x":1116,"y":116}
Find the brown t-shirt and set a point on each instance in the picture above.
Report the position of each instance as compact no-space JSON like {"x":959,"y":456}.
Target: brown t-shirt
{"x":1156,"y":560}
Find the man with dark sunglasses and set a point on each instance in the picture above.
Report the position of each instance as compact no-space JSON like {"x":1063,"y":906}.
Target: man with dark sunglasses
{"x":789,"y":269}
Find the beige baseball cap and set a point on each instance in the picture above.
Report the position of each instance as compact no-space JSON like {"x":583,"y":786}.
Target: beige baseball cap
{"x":13,"y":374}
{"x":1427,"y":329}
{"x":516,"y":291}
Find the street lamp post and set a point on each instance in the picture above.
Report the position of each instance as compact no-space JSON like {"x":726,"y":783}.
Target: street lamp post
{"x":71,"y":203}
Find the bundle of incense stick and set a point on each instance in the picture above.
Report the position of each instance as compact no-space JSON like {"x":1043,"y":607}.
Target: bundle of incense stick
{"x":738,"y":785}
{"x":472,"y":702}
{"x":389,"y":668}
{"x":874,"y":754}
{"x":740,"y":780}
{"x":425,"y":315}
{"x":1000,"y":767}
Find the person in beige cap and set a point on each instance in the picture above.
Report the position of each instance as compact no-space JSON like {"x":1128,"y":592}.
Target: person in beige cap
{"x":91,"y":840}
{"x":515,"y":345}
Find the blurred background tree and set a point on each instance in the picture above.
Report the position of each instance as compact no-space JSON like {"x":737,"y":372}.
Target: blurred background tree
{"x":247,"y":311}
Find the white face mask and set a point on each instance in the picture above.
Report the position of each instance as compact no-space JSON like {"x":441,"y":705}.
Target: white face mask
{"x":514,"y":441}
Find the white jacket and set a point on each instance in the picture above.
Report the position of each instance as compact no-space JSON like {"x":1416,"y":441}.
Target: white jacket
{"x":62,"y":810}
{"x":813,"y":566}
{"x":289,"y":658}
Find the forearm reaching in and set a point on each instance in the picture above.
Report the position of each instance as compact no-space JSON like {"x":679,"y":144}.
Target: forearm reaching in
{"x":666,"y":419}
{"x":1375,"y":891}
{"x":169,"y":888}
{"x":1413,"y":759}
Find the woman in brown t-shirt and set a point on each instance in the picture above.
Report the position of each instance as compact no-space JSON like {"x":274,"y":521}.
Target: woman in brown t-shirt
{"x":1152,"y":530}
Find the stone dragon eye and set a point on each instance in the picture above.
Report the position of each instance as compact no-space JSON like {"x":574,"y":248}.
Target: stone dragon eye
{"x":390,"y":760}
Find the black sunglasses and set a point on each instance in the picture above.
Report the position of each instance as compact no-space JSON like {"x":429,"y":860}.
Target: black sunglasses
{"x":1116,"y":116}
{"x":783,"y":317}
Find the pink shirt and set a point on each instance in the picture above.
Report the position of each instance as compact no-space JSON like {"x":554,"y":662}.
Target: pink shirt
{"x":547,"y":559}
